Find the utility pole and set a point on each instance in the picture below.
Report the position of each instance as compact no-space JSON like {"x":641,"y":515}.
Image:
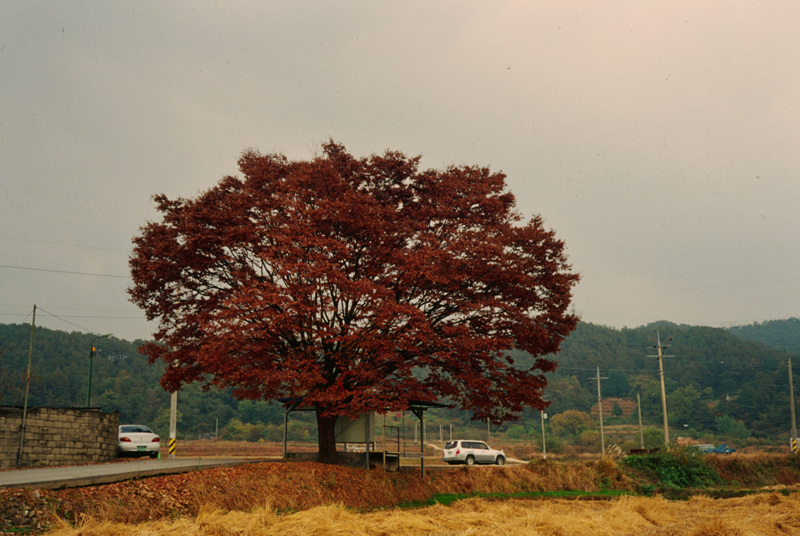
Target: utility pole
{"x":660,"y":357}
{"x":173,"y":405}
{"x":91,"y":358}
{"x":793,"y":440}
{"x":27,"y":389}
{"x":641,"y":430}
{"x":544,"y":448}
{"x":600,"y":410}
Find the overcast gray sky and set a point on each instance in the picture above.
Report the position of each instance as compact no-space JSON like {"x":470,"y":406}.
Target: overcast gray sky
{"x":660,"y":140}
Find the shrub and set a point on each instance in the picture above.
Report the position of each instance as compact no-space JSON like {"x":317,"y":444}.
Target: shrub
{"x":554,"y":445}
{"x":653,"y":437}
{"x":676,"y":468}
{"x":730,"y":427}
{"x":590,"y":439}
{"x":254,"y":434}
{"x":571,"y":424}
{"x":516,"y":431}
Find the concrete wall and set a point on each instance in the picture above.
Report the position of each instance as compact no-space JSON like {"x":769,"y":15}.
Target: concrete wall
{"x":353,"y":459}
{"x":58,"y":436}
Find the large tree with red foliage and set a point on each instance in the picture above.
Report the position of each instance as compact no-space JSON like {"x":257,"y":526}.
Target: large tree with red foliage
{"x":356,"y":283}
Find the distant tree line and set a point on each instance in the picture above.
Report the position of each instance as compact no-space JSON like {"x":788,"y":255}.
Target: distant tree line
{"x":731,"y":382}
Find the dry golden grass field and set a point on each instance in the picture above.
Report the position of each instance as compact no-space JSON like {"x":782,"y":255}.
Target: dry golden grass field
{"x":534,"y":498}
{"x":771,"y":514}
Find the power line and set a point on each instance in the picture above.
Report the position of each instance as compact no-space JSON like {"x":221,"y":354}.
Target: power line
{"x":63,"y":308}
{"x":68,"y":322}
{"x":86,"y":316}
{"x":588,"y":369}
{"x":64,"y":318}
{"x":27,"y":268}
{"x":696,"y":288}
{"x":25,"y":239}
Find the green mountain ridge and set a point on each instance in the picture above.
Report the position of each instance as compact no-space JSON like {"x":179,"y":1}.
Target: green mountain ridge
{"x":708,"y":373}
{"x":736,"y":377}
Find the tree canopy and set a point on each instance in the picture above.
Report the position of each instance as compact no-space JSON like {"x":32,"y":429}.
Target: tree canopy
{"x":357,"y":284}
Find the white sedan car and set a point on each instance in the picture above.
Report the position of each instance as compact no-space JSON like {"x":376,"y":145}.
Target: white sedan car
{"x":137,"y":440}
{"x":471,"y":452}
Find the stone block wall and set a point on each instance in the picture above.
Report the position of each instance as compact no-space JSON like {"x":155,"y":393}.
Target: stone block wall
{"x":58,"y":436}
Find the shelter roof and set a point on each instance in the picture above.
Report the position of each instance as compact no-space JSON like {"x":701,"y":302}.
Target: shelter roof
{"x":414,"y":405}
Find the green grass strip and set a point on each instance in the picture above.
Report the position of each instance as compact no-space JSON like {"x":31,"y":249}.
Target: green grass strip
{"x":449,"y":498}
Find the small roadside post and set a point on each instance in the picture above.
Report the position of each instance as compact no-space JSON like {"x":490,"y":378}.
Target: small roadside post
{"x":793,"y":439}
{"x":173,"y":424}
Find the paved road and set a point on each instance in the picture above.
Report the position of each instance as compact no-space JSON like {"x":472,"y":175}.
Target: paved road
{"x":88,"y":475}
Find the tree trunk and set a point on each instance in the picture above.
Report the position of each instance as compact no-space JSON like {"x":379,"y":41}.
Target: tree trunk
{"x":327,"y":438}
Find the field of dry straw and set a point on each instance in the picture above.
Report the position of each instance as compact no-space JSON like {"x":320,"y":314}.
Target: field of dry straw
{"x":771,"y":514}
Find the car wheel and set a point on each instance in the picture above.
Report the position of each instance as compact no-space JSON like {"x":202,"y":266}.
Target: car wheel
{"x":500,"y":460}
{"x":470,"y":460}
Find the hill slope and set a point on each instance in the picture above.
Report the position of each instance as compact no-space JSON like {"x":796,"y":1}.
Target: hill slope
{"x":714,"y":378}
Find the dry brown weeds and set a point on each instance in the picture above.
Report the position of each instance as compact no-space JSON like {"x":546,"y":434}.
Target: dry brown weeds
{"x":763,"y":515}
{"x":535,"y":476}
{"x":304,"y":485}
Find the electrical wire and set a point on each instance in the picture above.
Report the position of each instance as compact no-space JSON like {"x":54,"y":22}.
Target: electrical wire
{"x":68,"y":322}
{"x":26,"y":239}
{"x":27,"y":268}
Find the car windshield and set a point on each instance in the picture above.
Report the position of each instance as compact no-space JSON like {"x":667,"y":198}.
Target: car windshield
{"x":135,"y":430}
{"x":450,"y":445}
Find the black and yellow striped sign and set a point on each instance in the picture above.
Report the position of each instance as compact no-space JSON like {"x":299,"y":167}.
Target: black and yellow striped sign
{"x":794,"y":445}
{"x":172,"y":442}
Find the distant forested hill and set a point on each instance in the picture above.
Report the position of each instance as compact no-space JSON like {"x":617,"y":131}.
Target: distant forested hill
{"x":122,"y":380}
{"x":780,"y":334}
{"x":735,"y":378}
{"x":121,"y":377}
{"x":709,"y":374}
